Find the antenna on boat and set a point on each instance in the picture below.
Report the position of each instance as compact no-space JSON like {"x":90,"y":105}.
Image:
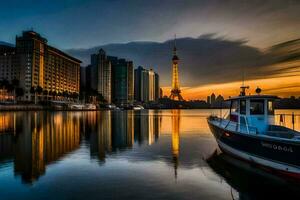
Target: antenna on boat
{"x":243,"y":90}
{"x":243,"y":87}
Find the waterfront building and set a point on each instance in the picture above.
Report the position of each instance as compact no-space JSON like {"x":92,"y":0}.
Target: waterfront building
{"x":151,"y":85}
{"x":9,"y":68}
{"x":83,"y":78}
{"x":212,"y":98}
{"x":138,"y":83}
{"x":42,"y":65}
{"x":101,"y":74}
{"x":35,"y":64}
{"x":220,"y":98}
{"x":146,"y":85}
{"x":156,"y":87}
{"x":208,"y":100}
{"x":122,"y":86}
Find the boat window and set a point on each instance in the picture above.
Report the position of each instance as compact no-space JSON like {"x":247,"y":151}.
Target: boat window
{"x":242,"y":120}
{"x":243,"y":107}
{"x":234,"y":106}
{"x":270,"y":107}
{"x":256,"y":107}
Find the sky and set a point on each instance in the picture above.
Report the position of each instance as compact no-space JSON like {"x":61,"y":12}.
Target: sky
{"x":82,"y":24}
{"x":86,"y":23}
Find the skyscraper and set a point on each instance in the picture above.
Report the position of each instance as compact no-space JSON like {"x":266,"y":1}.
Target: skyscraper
{"x":101,"y":74}
{"x":141,"y":84}
{"x":156,"y":87}
{"x":146,"y":85}
{"x":151,"y":85}
{"x":212,"y":98}
{"x":9,"y":68}
{"x":122,"y":81}
{"x":208,"y":100}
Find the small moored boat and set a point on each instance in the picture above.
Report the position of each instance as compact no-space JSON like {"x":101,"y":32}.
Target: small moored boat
{"x":249,"y":133}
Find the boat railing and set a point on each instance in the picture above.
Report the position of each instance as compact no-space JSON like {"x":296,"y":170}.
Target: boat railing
{"x":241,"y":127}
{"x":235,"y":126}
{"x":287,"y":120}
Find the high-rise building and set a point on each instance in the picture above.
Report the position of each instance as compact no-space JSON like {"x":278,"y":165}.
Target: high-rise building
{"x":101,"y":74}
{"x":156,"y":87}
{"x":42,"y":65}
{"x":9,"y":68}
{"x":151,"y":85}
{"x":212,"y":98}
{"x":208,"y":100}
{"x":83,"y":78}
{"x":141,"y":84}
{"x":122,"y":81}
{"x":161,"y":93}
{"x":146,"y":85}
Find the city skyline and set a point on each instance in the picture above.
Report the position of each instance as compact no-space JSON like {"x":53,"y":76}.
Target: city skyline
{"x":219,"y":43}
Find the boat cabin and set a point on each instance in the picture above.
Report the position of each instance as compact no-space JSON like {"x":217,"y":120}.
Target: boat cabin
{"x":252,"y":111}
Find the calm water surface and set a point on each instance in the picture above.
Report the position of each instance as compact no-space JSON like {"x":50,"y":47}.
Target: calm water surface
{"x":168,"y":154}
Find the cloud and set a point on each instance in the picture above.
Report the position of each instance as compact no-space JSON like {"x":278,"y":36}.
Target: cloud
{"x":203,"y":60}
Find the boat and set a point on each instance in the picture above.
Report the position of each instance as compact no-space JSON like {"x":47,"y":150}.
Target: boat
{"x":138,"y":107}
{"x":90,"y":106}
{"x":249,"y":133}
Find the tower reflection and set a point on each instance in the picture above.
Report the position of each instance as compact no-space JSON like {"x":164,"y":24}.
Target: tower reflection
{"x":175,"y":139}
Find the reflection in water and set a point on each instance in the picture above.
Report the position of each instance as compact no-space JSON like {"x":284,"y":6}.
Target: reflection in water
{"x":175,"y":138}
{"x":252,"y":182}
{"x":36,"y":139}
{"x":43,"y":138}
{"x":135,"y":150}
{"x":146,"y":126}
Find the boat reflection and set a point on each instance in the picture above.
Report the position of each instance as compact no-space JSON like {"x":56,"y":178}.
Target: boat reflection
{"x":250,"y":181}
{"x":34,"y":140}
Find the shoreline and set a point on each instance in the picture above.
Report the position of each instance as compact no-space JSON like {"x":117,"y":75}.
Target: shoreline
{"x":33,"y":107}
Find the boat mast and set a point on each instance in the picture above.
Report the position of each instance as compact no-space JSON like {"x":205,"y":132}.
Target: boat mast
{"x":243,"y":87}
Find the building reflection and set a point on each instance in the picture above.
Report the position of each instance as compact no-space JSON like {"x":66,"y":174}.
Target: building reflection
{"x":37,"y":139}
{"x":7,"y":131}
{"x":118,"y":131}
{"x":147,"y":126}
{"x":175,"y":139}
{"x":33,"y":140}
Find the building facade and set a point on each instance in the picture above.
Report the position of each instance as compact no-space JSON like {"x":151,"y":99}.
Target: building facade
{"x":156,"y":87}
{"x":122,"y":81}
{"x":101,"y":74}
{"x":36,"y":64}
{"x":42,"y":65}
{"x":146,"y":85}
{"x":9,"y":68}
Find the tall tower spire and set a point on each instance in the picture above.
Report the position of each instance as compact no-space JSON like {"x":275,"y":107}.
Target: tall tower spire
{"x":175,"y":92}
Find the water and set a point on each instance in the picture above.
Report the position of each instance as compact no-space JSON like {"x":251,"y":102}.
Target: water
{"x":169,"y":154}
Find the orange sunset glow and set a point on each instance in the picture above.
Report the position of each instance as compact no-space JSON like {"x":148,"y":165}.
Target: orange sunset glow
{"x":281,"y":86}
